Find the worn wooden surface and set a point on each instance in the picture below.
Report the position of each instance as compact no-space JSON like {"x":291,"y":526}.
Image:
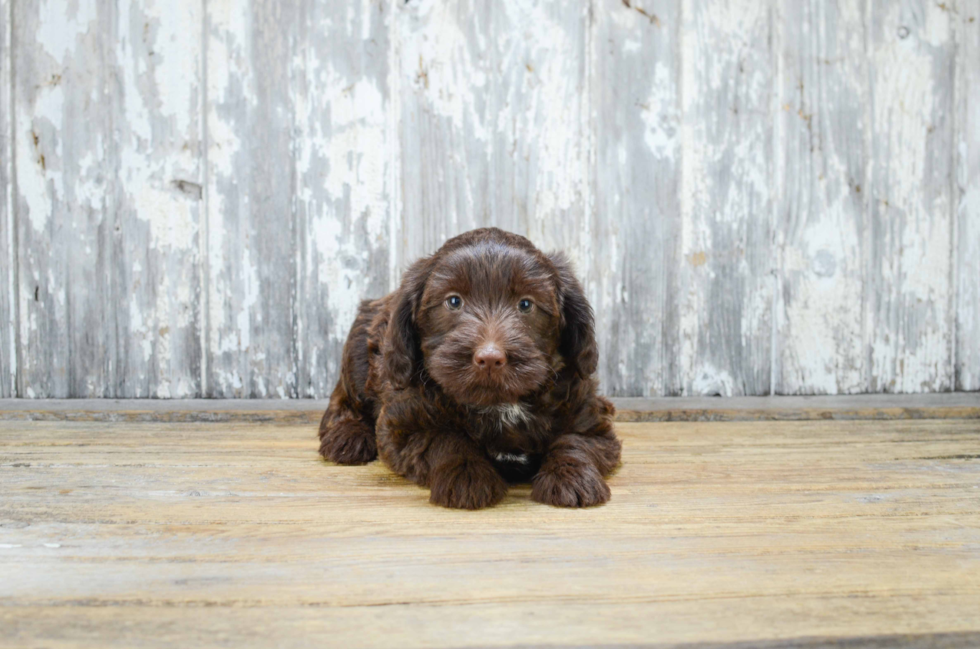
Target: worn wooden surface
{"x":8,"y":363}
{"x":724,"y":287}
{"x":107,"y":111}
{"x":252,"y":253}
{"x":958,"y":405}
{"x":61,"y":199}
{"x":819,"y":178}
{"x":493,"y":122}
{"x":967,"y":197}
{"x":724,"y":534}
{"x":344,"y":186}
{"x":761,"y":197}
{"x":636,"y":204}
{"x":910,"y":214}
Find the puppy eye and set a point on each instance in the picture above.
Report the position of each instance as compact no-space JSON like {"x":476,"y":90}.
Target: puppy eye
{"x":454,"y":302}
{"x":525,"y":305}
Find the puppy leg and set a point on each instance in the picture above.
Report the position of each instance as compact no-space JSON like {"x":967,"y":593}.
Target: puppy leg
{"x":457,"y":473}
{"x":347,"y":428}
{"x":575,"y":464}
{"x":465,"y":480}
{"x":345,"y":436}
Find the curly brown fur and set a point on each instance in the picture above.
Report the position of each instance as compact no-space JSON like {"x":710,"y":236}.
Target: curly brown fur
{"x":476,"y":372}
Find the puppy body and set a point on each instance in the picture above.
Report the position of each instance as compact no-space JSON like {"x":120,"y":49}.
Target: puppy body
{"x":477,"y":372}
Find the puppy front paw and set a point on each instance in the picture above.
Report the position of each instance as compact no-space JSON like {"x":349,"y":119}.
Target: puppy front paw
{"x":569,"y":484}
{"x":348,"y":441}
{"x":466,"y":484}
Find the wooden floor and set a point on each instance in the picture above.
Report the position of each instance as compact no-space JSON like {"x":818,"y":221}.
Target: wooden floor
{"x":732,"y":534}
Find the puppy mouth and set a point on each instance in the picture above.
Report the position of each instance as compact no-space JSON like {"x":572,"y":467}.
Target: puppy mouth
{"x":476,"y":388}
{"x":473,"y":386}
{"x":490,"y":391}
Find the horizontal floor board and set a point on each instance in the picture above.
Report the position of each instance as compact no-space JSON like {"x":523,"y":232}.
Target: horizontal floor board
{"x":803,"y":534}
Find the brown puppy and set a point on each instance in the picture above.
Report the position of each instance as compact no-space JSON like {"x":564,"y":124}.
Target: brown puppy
{"x":475,"y":372}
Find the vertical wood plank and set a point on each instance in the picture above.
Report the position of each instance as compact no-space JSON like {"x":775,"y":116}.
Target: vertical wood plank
{"x":587,"y":129}
{"x":968,"y":195}
{"x":540,"y":130}
{"x":910,"y":316}
{"x":8,"y":361}
{"x":252,"y":260}
{"x":822,"y":124}
{"x":63,"y":154}
{"x":539,"y":124}
{"x":445,"y":79}
{"x":635,"y":103}
{"x":154,"y":279}
{"x":493,"y":122}
{"x":723,"y":289}
{"x":106,"y":150}
{"x":343,"y":194}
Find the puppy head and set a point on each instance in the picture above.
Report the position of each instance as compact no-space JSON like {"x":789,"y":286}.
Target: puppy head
{"x":490,"y":319}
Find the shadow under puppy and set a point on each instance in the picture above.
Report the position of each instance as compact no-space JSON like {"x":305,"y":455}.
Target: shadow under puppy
{"x":475,"y":372}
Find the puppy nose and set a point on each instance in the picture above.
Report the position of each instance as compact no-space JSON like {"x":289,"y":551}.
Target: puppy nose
{"x":489,"y":357}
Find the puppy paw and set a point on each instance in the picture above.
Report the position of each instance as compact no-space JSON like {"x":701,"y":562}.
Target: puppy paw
{"x":348,"y":441}
{"x":466,"y":484}
{"x":569,"y":484}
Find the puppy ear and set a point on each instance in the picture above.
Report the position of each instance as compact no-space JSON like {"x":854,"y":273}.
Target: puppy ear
{"x":577,"y":344}
{"x":402,"y":351}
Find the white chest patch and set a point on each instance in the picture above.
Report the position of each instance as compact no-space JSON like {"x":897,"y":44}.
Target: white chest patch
{"x":511,"y":457}
{"x":511,"y":414}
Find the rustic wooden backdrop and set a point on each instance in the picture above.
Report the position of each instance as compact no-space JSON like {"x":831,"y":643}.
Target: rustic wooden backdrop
{"x":762,"y":196}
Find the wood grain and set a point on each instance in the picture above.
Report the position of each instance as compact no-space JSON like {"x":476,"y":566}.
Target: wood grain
{"x":157,"y":198}
{"x":967,"y":195}
{"x":875,"y":406}
{"x":343,"y":177}
{"x":820,"y":179}
{"x":65,"y":227}
{"x":252,"y":265}
{"x":8,"y":319}
{"x":723,"y":289}
{"x":540,"y":126}
{"x":162,"y":534}
{"x":107,"y":150}
{"x":442,"y":82}
{"x":493,"y":122}
{"x":635,"y":99}
{"x":909,"y":317}
{"x":760,"y":197}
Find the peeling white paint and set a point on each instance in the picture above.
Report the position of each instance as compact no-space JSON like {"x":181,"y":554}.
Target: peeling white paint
{"x":549,"y":107}
{"x":725,"y":283}
{"x":967,"y":224}
{"x":820,"y":345}
{"x":442,"y":66}
{"x":355,"y":151}
{"x":711,"y":381}
{"x":35,"y":175}
{"x":62,"y":23}
{"x":912,"y":334}
{"x":9,"y":370}
{"x":659,"y":114}
{"x":410,"y":122}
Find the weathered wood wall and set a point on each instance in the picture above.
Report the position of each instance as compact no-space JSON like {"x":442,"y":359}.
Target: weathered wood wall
{"x":761,"y":196}
{"x":966,"y":197}
{"x":7,"y":318}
